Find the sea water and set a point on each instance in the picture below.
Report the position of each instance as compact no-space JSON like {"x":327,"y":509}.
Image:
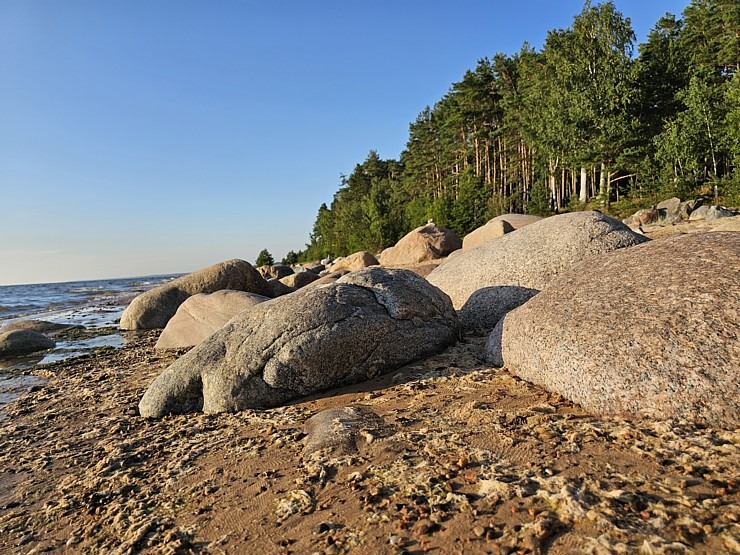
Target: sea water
{"x":96,"y":305}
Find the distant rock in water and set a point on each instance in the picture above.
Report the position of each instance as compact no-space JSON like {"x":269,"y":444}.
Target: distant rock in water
{"x":652,"y":331}
{"x":486,"y":282}
{"x":153,"y":309}
{"x":201,"y":315}
{"x":369,"y":322}
{"x":40,"y":326}
{"x":23,"y":342}
{"x":428,"y":242}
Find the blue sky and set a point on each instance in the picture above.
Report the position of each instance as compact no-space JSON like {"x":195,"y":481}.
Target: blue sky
{"x":152,"y":137}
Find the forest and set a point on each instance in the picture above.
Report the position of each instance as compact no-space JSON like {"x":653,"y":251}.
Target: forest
{"x":585,"y":122}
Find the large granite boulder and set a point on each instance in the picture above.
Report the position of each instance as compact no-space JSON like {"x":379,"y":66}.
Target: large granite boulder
{"x":428,"y":242}
{"x":352,"y":262}
{"x":651,"y":331}
{"x":486,"y":282}
{"x":23,"y":342}
{"x":369,"y":322}
{"x":154,"y":308}
{"x":498,"y":226}
{"x":201,"y":315}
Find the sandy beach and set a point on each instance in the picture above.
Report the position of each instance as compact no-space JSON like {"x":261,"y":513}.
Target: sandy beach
{"x":474,"y":460}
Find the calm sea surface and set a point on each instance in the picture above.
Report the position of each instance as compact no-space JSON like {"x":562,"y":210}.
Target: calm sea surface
{"x":97,"y":305}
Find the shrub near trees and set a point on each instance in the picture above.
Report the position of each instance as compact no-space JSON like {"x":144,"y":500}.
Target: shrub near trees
{"x":264,"y":258}
{"x":545,"y":131}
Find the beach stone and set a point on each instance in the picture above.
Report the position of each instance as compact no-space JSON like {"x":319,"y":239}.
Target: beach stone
{"x":492,"y":230}
{"x":339,"y":430}
{"x":40,"y":326}
{"x":670,"y":209}
{"x":486,"y":282}
{"x":201,"y":315}
{"x":315,"y":268}
{"x":154,"y":308}
{"x":355,"y":261}
{"x":278,"y":288}
{"x":301,"y":279}
{"x":498,"y":226}
{"x":642,"y":217}
{"x":428,"y":242}
{"x":699,"y":213}
{"x":275,"y":271}
{"x":23,"y":342}
{"x":717,"y":212}
{"x":369,"y":322}
{"x":688,"y":207}
{"x":661,"y":340}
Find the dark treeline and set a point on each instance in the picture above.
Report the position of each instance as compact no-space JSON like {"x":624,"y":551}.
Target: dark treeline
{"x":545,"y":131}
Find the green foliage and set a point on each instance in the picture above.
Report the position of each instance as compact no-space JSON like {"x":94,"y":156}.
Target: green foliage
{"x":539,"y":201}
{"x":264,"y":258}
{"x":514,"y":133}
{"x":291,"y":258}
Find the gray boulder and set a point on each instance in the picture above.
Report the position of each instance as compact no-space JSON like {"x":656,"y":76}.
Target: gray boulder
{"x":688,"y":207}
{"x":369,"y":322}
{"x":670,"y":211}
{"x":201,"y":315}
{"x":660,"y":340}
{"x":699,"y":213}
{"x":278,"y":288}
{"x":717,"y":212}
{"x":154,"y":308}
{"x":486,"y":282}
{"x":301,"y":279}
{"x":23,"y":342}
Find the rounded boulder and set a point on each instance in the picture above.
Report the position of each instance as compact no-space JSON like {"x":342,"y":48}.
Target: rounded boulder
{"x":154,"y":308}
{"x":201,"y":315}
{"x":660,"y":340}
{"x":369,"y":322}
{"x":428,"y":242}
{"x":486,"y":282}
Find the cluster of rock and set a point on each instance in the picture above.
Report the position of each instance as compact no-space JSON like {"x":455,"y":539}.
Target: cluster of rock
{"x":25,"y":337}
{"x":673,"y":211}
{"x":428,"y":242}
{"x":498,"y":275}
{"x":368,"y":322}
{"x":578,"y":303}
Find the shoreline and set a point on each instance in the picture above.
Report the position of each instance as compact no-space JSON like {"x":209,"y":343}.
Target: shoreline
{"x":479,"y":460}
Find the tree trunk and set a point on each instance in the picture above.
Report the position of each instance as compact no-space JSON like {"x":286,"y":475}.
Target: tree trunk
{"x":583,"y":198}
{"x":604,"y":186}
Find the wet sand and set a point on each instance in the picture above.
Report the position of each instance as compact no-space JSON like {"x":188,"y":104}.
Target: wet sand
{"x":479,"y":462}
